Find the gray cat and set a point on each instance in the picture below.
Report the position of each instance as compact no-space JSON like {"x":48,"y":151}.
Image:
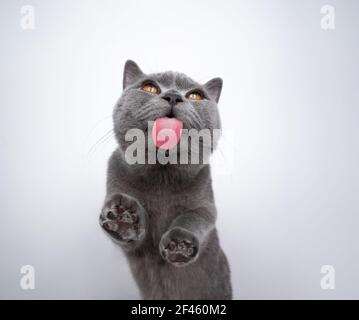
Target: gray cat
{"x":163,"y":216}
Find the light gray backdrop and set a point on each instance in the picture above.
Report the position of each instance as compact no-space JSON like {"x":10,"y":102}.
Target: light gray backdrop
{"x":285,"y":175}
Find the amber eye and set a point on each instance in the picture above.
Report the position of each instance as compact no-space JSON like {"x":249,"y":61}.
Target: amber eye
{"x":195,"y":96}
{"x":151,"y":88}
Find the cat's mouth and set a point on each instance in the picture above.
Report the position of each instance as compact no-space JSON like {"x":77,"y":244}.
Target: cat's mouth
{"x":171,"y":115}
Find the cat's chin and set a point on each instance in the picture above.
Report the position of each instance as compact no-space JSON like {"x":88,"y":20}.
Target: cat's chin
{"x":169,"y":173}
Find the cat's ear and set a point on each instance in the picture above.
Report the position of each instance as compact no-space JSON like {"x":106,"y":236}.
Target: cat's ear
{"x":131,"y":73}
{"x":214,"y":88}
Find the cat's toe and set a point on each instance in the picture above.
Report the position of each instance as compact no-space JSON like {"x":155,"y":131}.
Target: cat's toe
{"x":110,"y":225}
{"x":111,"y":214}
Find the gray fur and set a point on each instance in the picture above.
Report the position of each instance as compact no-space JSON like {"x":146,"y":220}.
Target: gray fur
{"x":163,"y":216}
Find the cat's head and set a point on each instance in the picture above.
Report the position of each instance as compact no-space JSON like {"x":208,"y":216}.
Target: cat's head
{"x":147,"y":97}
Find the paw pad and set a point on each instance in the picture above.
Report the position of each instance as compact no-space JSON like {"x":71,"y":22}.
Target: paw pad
{"x":179,"y":249}
{"x":121,"y":221}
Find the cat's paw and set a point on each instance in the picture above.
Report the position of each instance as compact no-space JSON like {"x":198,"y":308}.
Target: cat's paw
{"x":179,"y":247}
{"x":123,"y":218}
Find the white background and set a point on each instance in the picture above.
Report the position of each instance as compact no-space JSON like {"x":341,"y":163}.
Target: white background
{"x":288,"y":194}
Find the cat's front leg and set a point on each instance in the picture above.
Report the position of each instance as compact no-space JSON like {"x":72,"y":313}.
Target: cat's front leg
{"x":124,"y":219}
{"x":181,"y":244}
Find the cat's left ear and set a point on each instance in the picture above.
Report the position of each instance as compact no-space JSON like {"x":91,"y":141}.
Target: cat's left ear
{"x":131,"y":73}
{"x":214,"y":88}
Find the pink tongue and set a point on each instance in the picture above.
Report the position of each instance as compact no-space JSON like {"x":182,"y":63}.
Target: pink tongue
{"x":166,"y":132}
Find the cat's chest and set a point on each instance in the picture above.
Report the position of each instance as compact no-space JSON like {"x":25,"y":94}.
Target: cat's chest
{"x":162,"y":207}
{"x":163,"y":204}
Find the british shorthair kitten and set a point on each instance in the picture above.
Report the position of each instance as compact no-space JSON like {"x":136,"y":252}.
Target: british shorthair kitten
{"x":163,"y":215}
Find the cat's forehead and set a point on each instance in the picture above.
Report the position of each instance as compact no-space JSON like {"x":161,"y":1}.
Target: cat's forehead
{"x":177,"y":80}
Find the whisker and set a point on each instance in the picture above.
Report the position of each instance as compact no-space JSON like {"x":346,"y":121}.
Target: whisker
{"x":145,"y":115}
{"x":143,"y":110}
{"x":194,"y":121}
{"x":101,"y":140}
{"x":198,"y":118}
{"x":106,"y":140}
{"x":98,"y":123}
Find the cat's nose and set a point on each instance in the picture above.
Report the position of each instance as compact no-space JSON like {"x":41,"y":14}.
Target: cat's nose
{"x":172,"y":98}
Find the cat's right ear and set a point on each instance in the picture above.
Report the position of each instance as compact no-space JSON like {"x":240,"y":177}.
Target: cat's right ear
{"x":131,"y":73}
